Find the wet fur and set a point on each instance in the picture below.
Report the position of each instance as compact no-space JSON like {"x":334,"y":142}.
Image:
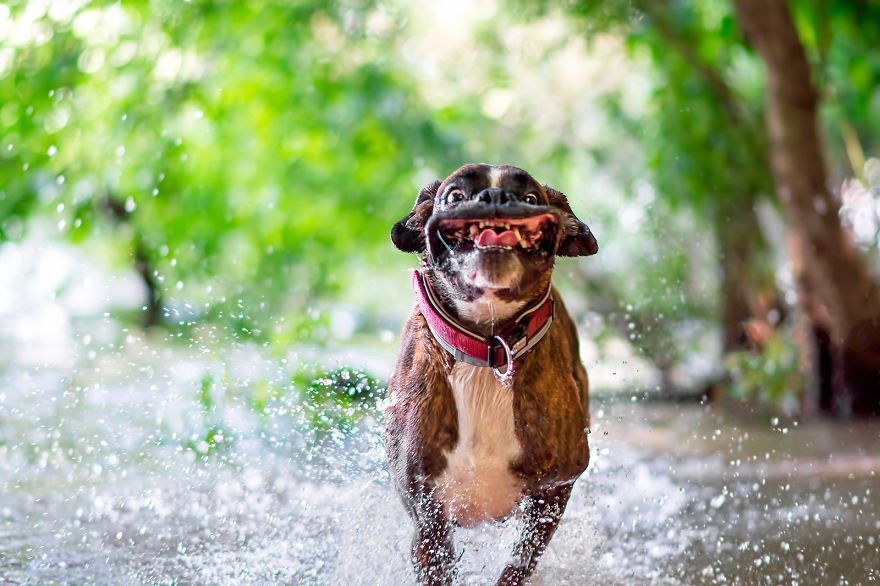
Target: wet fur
{"x":478,"y":483}
{"x":462,"y":448}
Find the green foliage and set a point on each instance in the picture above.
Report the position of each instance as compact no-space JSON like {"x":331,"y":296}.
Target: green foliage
{"x":251,"y":157}
{"x":318,"y":405}
{"x":769,"y":376}
{"x":701,"y":138}
{"x":704,"y":139}
{"x":336,"y":400}
{"x":255,"y":153}
{"x":705,"y":144}
{"x":212,"y":437}
{"x":841,"y":40}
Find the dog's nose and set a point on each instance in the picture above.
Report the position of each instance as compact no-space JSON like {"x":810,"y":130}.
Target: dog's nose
{"x":494,"y":195}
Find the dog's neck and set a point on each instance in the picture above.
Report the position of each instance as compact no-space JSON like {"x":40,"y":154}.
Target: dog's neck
{"x":487,"y":311}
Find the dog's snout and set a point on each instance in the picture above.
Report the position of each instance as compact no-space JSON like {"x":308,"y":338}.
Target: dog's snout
{"x":493,"y":195}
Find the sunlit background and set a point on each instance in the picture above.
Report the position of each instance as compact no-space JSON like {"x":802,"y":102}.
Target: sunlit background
{"x":200,"y":304}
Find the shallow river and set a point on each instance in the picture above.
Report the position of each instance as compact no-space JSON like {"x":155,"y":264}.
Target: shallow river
{"x":105,"y":479}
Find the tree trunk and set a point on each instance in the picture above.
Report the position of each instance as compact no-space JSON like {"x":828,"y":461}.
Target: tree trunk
{"x":748,"y":293}
{"x":835,"y":288}
{"x":142,"y":264}
{"x":153,"y":312}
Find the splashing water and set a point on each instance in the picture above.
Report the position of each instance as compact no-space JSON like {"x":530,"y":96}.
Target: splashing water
{"x":155,"y":465}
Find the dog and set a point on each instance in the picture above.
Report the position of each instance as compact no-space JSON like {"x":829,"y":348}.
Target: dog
{"x":487,"y":411}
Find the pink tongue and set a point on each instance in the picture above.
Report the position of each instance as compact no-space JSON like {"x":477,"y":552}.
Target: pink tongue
{"x":488,"y":237}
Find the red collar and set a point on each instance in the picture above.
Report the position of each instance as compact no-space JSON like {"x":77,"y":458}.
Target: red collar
{"x":520,"y":336}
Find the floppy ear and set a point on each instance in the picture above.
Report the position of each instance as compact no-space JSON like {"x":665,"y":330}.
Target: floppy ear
{"x":577,"y":239}
{"x":409,"y":233}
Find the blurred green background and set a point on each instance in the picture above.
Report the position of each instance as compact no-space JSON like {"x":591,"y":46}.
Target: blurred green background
{"x":228,"y":172}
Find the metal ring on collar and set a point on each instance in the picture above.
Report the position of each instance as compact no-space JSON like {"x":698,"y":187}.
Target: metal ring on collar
{"x":507,"y":374}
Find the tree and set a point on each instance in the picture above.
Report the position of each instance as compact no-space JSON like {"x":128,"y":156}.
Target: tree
{"x":835,"y":287}
{"x":702,"y":135}
{"x":240,"y":157}
{"x":712,"y":152}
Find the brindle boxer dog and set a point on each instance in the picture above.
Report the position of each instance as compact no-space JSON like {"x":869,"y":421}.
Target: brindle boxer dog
{"x":487,"y":410}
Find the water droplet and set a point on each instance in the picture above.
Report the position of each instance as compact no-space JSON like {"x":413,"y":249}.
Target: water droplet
{"x":130,"y":206}
{"x":53,"y":150}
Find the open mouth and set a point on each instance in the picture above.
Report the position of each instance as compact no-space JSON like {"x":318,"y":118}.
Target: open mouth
{"x":520,"y":233}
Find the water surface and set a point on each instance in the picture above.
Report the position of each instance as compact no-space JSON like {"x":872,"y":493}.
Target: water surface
{"x":107,"y":477}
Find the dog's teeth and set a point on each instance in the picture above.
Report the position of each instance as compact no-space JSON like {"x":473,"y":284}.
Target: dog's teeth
{"x":474,"y":230}
{"x":519,"y":237}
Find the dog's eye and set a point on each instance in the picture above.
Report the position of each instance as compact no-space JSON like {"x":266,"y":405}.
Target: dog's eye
{"x":531,"y":199}
{"x":454,"y":196}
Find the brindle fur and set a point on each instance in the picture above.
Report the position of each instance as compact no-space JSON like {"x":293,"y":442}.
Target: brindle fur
{"x":550,"y":406}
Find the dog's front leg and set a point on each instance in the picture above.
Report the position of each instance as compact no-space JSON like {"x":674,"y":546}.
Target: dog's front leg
{"x":432,"y":551}
{"x":540,"y":519}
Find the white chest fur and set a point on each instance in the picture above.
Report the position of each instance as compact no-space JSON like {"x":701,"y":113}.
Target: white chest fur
{"x":478,"y":484}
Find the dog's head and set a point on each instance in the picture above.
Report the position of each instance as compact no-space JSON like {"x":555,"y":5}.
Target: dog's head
{"x":492,"y":230}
